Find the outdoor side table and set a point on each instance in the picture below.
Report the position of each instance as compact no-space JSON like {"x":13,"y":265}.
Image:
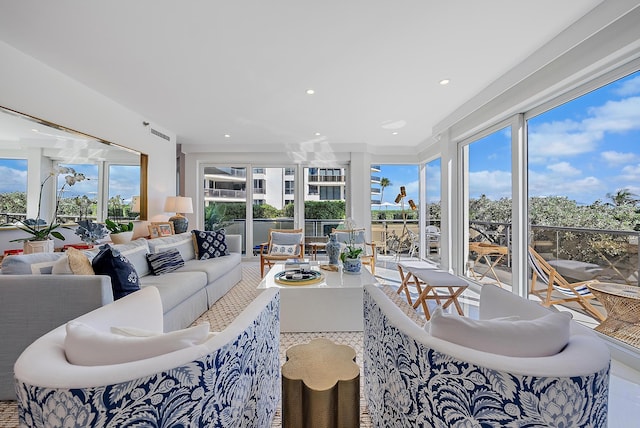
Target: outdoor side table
{"x":320,"y":386}
{"x":622,"y":303}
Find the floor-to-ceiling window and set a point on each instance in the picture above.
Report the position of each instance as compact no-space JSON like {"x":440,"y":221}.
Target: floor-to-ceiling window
{"x":488,"y":200}
{"x":324,"y":191}
{"x":394,"y":209}
{"x":273,"y":201}
{"x":433,"y":221}
{"x":225,"y":199}
{"x":584,"y":188}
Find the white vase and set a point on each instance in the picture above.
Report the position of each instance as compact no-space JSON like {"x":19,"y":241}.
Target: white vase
{"x":122,"y":237}
{"x":45,"y":246}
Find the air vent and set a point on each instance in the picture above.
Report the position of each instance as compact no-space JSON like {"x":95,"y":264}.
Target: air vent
{"x":160,"y":134}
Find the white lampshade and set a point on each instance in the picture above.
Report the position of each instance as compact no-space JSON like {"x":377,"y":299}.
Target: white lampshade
{"x":178,"y":204}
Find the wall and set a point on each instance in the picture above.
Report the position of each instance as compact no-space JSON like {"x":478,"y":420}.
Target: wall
{"x":31,"y":87}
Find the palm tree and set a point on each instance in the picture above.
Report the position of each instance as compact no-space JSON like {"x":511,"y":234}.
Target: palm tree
{"x":384,"y":182}
{"x":623,"y":197}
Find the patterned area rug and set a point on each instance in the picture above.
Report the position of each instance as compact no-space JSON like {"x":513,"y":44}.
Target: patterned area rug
{"x":230,"y":305}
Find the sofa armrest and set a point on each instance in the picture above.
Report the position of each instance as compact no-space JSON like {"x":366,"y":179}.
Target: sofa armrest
{"x":32,"y":305}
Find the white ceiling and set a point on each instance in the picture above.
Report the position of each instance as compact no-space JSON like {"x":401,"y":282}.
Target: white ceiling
{"x":203,"y":69}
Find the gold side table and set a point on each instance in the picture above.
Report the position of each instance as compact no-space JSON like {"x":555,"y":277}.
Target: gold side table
{"x":320,"y":386}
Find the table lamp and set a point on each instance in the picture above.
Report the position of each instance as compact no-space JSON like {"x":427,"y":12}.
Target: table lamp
{"x":179,"y":205}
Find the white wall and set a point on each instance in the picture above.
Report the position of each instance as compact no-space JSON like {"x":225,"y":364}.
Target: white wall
{"x":31,"y":87}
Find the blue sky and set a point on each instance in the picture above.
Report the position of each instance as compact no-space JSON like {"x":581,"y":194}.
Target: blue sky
{"x":583,"y":149}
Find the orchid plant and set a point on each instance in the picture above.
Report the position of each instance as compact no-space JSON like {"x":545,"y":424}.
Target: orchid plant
{"x":352,"y":250}
{"x":37,"y":227}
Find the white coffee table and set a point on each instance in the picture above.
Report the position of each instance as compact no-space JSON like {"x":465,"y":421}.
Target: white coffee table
{"x":335,"y":304}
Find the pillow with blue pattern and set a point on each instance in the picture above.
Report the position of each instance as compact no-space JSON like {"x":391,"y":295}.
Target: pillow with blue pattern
{"x":124,"y":278}
{"x":165,"y":261}
{"x":210,"y":244}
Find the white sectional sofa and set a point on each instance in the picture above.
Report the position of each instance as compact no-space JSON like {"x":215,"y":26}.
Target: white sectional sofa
{"x":34,"y":301}
{"x":231,"y":379}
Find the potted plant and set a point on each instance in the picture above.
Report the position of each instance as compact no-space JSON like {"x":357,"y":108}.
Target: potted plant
{"x":120,"y":232}
{"x":350,"y":256}
{"x":90,"y":232}
{"x":41,"y":232}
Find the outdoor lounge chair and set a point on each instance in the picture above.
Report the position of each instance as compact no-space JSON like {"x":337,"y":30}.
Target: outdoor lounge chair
{"x":283,"y":244}
{"x":574,"y":292}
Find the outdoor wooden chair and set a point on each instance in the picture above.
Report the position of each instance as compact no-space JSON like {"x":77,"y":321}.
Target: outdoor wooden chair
{"x":573,"y":292}
{"x":283,"y":244}
{"x":368,"y":256}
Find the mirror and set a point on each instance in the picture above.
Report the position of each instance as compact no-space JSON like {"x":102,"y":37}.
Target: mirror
{"x":22,"y":135}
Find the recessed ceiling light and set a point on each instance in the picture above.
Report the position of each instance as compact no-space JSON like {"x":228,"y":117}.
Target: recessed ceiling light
{"x":394,"y":133}
{"x":310,"y":92}
{"x":445,"y":82}
{"x":227,"y":136}
{"x":317,"y":134}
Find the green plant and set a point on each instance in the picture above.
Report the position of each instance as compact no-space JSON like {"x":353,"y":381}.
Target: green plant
{"x":115,"y":228}
{"x":38,"y":228}
{"x":352,"y":250}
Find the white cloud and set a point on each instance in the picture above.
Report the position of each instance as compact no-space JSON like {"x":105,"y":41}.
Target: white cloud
{"x":617,"y":158}
{"x":564,"y":169}
{"x":12,"y":180}
{"x":583,"y":190}
{"x":614,"y":116}
{"x":558,"y":139}
{"x":494,"y":184}
{"x":629,"y":87}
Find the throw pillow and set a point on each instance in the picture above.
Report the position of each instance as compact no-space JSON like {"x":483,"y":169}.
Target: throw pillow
{"x":541,"y":337}
{"x":210,"y":244}
{"x":165,"y":261}
{"x":284,"y":240}
{"x":124,"y":278}
{"x":284,"y":250}
{"x":61,"y":266}
{"x":86,"y":346}
{"x":79,"y":263}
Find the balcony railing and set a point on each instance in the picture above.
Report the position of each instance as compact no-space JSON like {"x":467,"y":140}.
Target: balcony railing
{"x":225,"y":193}
{"x":326,"y":178}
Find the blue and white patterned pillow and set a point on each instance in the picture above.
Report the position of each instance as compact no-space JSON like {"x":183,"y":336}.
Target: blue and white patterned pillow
{"x":124,"y":278}
{"x":165,"y":261}
{"x":284,"y":250}
{"x":210,"y":244}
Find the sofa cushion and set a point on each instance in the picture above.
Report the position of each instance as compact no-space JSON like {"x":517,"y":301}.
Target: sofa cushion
{"x":183,"y":242}
{"x":165,"y":261}
{"x":124,"y":278}
{"x":86,"y":346}
{"x":210,"y":244}
{"x":30,"y":264}
{"x":214,"y":268}
{"x":74,"y":262}
{"x":175,"y":287}
{"x":540,"y":337}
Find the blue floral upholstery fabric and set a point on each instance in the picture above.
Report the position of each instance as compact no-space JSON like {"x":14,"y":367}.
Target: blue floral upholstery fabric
{"x":237,"y":385}
{"x":408,"y":384}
